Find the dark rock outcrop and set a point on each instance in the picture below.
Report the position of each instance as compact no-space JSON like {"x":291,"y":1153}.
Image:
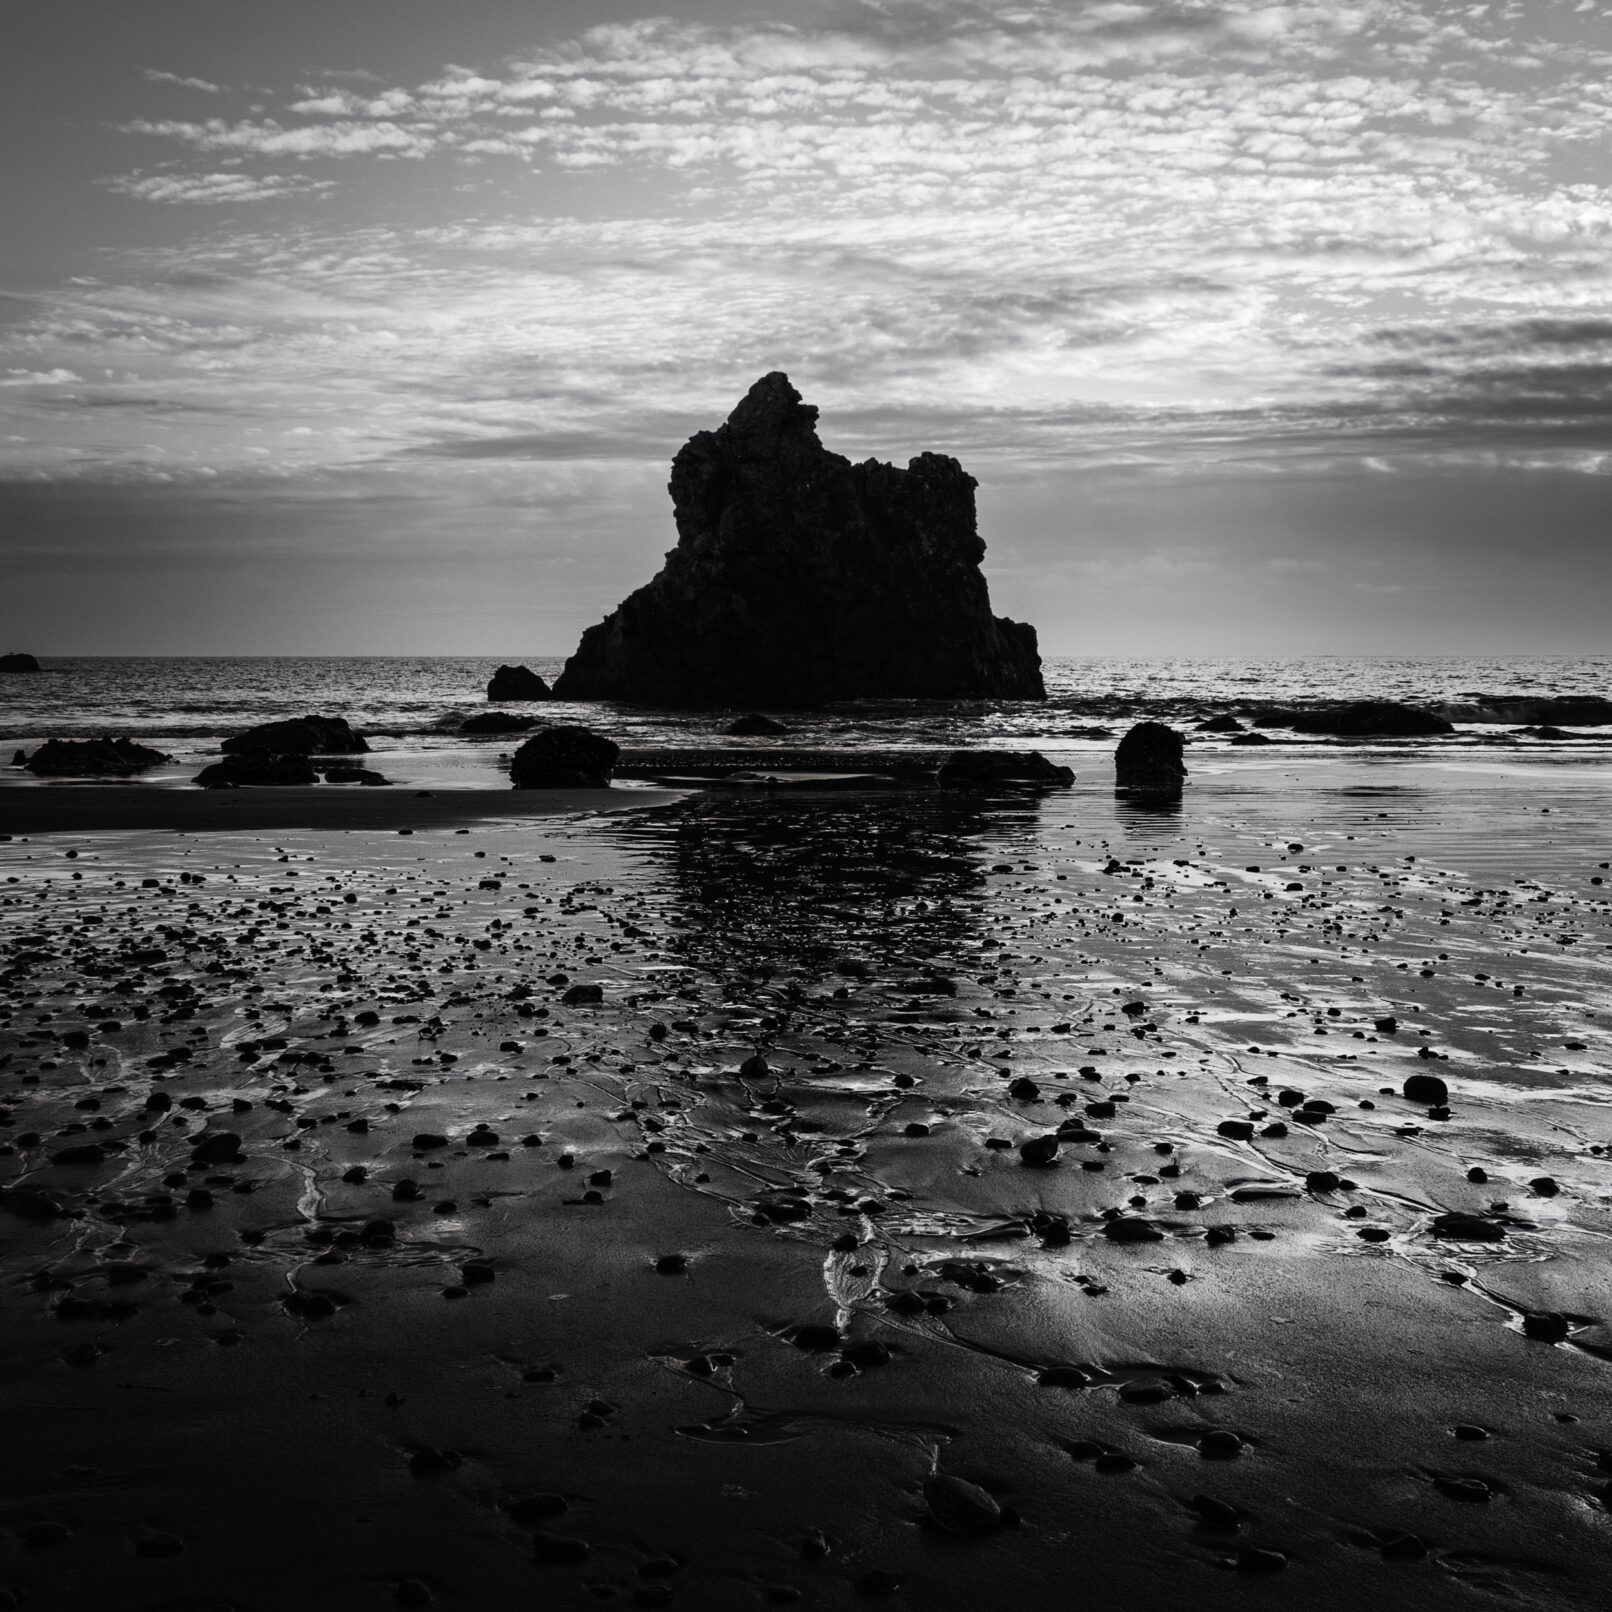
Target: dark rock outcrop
{"x":302,"y":736}
{"x":754,"y":725}
{"x":349,"y":774}
{"x":258,"y":770}
{"x":1571,"y":710}
{"x":1149,"y":758}
{"x":800,"y":578}
{"x":965,"y":768}
{"x":497,"y":722}
{"x":564,"y":758}
{"x":18,"y":662}
{"x":1224,"y":723}
{"x":67,"y":757}
{"x":1370,"y":719}
{"x":517,"y":683}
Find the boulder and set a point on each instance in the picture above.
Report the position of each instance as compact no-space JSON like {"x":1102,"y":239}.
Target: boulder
{"x":66,"y":757}
{"x":517,"y":683}
{"x":1371,"y":719}
{"x":966,"y":768}
{"x":1224,"y":723}
{"x":800,"y":578}
{"x":564,"y":758}
{"x":754,"y":725}
{"x":1149,"y":757}
{"x":18,"y":662}
{"x":349,"y":774}
{"x":258,"y":771}
{"x":497,"y":722}
{"x":302,"y":736}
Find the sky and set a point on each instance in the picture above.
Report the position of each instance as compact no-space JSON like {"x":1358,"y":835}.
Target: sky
{"x":371,"y":327}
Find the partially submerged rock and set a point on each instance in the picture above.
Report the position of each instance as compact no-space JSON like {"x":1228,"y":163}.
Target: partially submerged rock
{"x":301,"y":736}
{"x":68,"y":757}
{"x":517,"y":683}
{"x":1570,"y":710}
{"x":1149,"y":758}
{"x":800,"y":578}
{"x":564,"y":758}
{"x":16,"y":661}
{"x":355,"y":775}
{"x":1370,"y":719}
{"x":985,"y":767}
{"x":497,"y":722}
{"x":258,"y":771}
{"x":754,"y":725}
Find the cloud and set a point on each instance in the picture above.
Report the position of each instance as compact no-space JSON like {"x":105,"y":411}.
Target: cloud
{"x":215,"y":189}
{"x":157,"y":77}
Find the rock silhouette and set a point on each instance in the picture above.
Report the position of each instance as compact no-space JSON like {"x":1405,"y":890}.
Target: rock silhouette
{"x":302,"y":736}
{"x":754,"y":725}
{"x":1149,"y":757}
{"x":984,"y":767}
{"x":800,"y":578}
{"x":1371,"y":718}
{"x":68,"y":756}
{"x":257,"y":769}
{"x":564,"y":758}
{"x":18,"y":662}
{"x":517,"y":683}
{"x":497,"y":722}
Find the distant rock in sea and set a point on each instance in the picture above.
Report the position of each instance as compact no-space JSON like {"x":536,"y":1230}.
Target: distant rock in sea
{"x":517,"y":683}
{"x":800,"y":578}
{"x":754,"y":726}
{"x":1556,"y":710}
{"x":302,"y":736}
{"x":564,"y":758}
{"x":67,"y":757}
{"x":1149,"y":758}
{"x":497,"y":722}
{"x":18,"y":662}
{"x":1371,"y":719}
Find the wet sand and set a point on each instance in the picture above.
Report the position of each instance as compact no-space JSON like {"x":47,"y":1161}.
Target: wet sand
{"x":677,"y":1326}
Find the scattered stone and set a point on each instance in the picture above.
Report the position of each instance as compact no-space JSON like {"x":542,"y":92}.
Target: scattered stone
{"x":497,"y":722}
{"x":1427,"y":1089}
{"x":960,"y":1507}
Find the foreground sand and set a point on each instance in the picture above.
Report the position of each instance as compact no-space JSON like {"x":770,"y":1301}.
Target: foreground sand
{"x":226,"y":1385}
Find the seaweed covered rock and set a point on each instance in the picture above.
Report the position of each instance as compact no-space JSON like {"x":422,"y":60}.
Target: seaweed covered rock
{"x":1371,"y":719}
{"x":964,"y":768}
{"x":800,"y":578}
{"x":564,"y":758}
{"x":68,"y":757}
{"x":302,"y":736}
{"x":257,"y":770}
{"x":1149,"y":757}
{"x":16,"y":661}
{"x":517,"y":683}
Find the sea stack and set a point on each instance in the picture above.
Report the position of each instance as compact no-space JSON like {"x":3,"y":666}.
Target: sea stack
{"x":800,"y":578}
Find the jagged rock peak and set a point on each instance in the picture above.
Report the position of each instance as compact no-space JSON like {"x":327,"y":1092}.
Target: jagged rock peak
{"x":800,"y":578}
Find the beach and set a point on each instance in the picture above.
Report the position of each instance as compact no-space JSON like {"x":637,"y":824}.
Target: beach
{"x":646,"y":1206}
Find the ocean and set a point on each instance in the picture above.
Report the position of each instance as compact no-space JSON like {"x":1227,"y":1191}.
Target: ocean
{"x":410,"y":706}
